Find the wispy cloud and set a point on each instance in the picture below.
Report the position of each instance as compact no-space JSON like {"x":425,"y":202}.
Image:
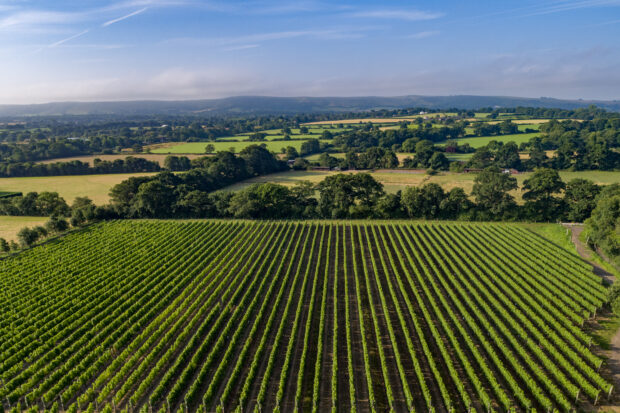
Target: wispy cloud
{"x":119,"y":19}
{"x":423,"y":35}
{"x":257,"y":38}
{"x":75,"y":36}
{"x":408,"y":14}
{"x":241,"y":47}
{"x":563,"y":6}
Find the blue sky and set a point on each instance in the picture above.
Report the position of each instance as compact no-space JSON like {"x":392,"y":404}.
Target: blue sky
{"x":190,"y":49}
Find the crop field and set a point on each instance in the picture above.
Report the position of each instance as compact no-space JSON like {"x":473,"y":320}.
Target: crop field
{"x":315,"y":316}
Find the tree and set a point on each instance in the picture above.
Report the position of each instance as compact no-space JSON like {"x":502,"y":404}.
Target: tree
{"x":603,"y":227}
{"x":389,"y":206}
{"x":543,"y":183}
{"x":338,"y":194}
{"x":423,"y":202}
{"x":262,"y":201}
{"x":309,"y":147}
{"x":439,"y":162}
{"x":56,"y":224}
{"x":27,"y":237}
{"x":490,"y":191}
{"x":580,"y":199}
{"x":303,"y":130}
{"x":507,"y":156}
{"x":209,"y":148}
{"x":257,"y":137}
{"x":540,"y":205}
{"x":424,"y":150}
{"x":49,"y":203}
{"x":137,"y":148}
{"x":291,"y":152}
{"x":154,"y":199}
{"x":455,"y":204}
{"x":300,"y":164}
{"x":4,"y":246}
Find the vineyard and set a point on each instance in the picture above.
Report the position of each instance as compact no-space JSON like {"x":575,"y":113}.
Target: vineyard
{"x":310,"y":316}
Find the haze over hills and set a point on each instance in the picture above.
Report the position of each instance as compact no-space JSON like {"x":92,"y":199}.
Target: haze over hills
{"x":244,"y":105}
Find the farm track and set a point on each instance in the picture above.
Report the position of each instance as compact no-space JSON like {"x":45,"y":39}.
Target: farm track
{"x":318,"y":316}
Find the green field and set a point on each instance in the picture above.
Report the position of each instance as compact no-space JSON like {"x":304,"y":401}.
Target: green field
{"x":263,"y":316}
{"x":479,"y":141}
{"x":401,"y":179}
{"x":199,"y":147}
{"x":10,"y":226}
{"x":96,"y":187}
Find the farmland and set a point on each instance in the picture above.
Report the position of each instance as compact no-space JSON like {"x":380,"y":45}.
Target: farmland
{"x":199,"y":147}
{"x":10,"y":226}
{"x":309,"y":315}
{"x":96,"y":187}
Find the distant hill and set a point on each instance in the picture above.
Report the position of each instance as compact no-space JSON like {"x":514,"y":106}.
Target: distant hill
{"x":244,"y":105}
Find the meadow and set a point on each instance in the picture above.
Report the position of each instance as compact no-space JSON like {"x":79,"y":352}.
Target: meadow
{"x":10,"y":226}
{"x":199,"y":147}
{"x":96,"y":187}
{"x":90,"y":159}
{"x":312,"y":316}
{"x":478,"y":141}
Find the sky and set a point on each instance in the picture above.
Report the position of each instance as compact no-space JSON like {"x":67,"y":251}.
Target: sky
{"x":96,"y":50}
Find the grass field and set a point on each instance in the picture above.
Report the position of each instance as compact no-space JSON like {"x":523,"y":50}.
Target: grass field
{"x":400,"y":179}
{"x":479,"y":141}
{"x":96,"y":187}
{"x":199,"y":147}
{"x":258,"y":316}
{"x":10,"y":226}
{"x":159,"y":158}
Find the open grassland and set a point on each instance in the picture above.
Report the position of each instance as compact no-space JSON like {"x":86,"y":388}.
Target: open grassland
{"x":10,"y":226}
{"x":96,"y":187}
{"x":310,"y":316}
{"x":199,"y":147}
{"x":159,"y":158}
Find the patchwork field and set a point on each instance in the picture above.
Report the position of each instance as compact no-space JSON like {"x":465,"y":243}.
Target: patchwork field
{"x":315,"y":316}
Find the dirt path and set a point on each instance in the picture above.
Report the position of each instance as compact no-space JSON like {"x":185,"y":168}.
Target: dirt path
{"x":585,"y":252}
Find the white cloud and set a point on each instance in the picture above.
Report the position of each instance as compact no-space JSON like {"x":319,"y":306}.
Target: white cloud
{"x":424,"y":35}
{"x":410,"y":15}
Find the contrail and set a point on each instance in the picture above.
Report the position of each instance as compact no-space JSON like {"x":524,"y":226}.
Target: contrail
{"x":106,"y":24}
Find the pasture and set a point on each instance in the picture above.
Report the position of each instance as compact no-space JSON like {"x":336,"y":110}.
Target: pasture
{"x":479,"y":141}
{"x":176,"y":148}
{"x":96,"y":187}
{"x":313,"y":316}
{"x":10,"y":226}
{"x":90,"y":159}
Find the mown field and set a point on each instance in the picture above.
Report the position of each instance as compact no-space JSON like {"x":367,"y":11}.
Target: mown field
{"x":199,"y":147}
{"x":96,"y":187}
{"x":317,"y":316}
{"x":10,"y":226}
